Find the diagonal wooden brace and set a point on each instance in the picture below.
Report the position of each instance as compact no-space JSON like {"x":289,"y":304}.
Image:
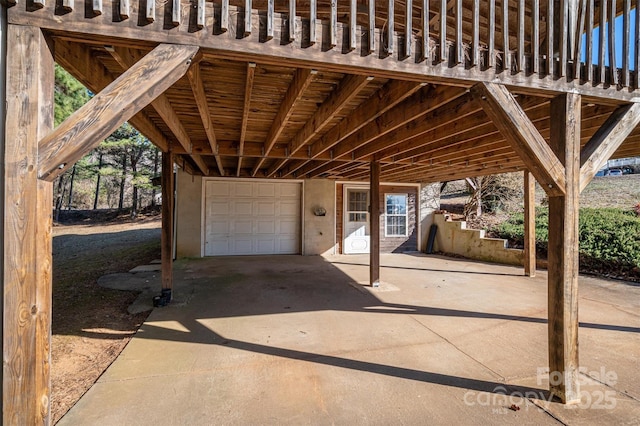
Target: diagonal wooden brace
{"x":526,"y":141}
{"x":607,"y":140}
{"x":114,"y":105}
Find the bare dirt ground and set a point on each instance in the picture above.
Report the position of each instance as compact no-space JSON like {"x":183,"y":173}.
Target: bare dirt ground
{"x":91,"y":325}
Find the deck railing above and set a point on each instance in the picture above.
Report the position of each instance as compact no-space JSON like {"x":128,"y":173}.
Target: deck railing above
{"x":561,"y":39}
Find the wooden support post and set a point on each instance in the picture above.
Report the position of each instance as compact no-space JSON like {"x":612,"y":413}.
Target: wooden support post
{"x":529,"y":224}
{"x":26,"y":230}
{"x":167,"y":223}
{"x":374,"y":222}
{"x":563,"y":252}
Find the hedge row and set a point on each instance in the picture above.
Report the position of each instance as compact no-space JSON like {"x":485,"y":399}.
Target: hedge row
{"x":606,"y":235}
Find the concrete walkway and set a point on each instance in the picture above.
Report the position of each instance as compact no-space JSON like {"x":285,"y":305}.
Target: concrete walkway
{"x":301,"y":340}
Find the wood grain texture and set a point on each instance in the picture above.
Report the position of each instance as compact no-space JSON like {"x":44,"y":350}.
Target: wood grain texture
{"x":301,"y":81}
{"x":374,"y":223}
{"x":248,"y":88}
{"x":108,"y":29}
{"x":349,"y":87}
{"x":606,"y":141}
{"x":27,"y":230}
{"x":384,"y":100}
{"x":127,"y":58}
{"x":200,"y":98}
{"x":77,"y":60}
{"x":106,"y":111}
{"x":525,"y":139}
{"x":166,"y":237}
{"x":529,"y":224}
{"x":563,"y":253}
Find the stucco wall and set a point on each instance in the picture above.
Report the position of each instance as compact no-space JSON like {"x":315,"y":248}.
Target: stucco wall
{"x":429,"y":204}
{"x":454,"y":238}
{"x":188,"y":215}
{"x":318,"y":237}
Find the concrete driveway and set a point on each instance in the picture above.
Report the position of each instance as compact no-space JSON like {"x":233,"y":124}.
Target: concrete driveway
{"x":302,"y":340}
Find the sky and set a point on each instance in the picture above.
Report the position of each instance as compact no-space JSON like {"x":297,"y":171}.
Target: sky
{"x":618,"y":42}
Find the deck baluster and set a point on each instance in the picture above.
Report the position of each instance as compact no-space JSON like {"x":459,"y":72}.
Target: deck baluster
{"x":426,"y":55}
{"x":589,"y":42}
{"x":550,"y":39}
{"x":491,"y":36}
{"x":292,"y":20}
{"x":535,"y":37}
{"x":520,"y":66}
{"x":444,"y":56}
{"x":247,"y":17}
{"x":601,"y":42}
{"x":625,"y":41}
{"x":408,"y":28}
{"x":613,"y":69}
{"x":506,"y":57}
{"x":372,"y":26}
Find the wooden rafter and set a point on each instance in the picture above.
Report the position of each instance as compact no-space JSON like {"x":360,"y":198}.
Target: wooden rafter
{"x":412,"y":108}
{"x":114,"y":105}
{"x":201,"y":164}
{"x":126,"y":58}
{"x":77,"y":60}
{"x":248,"y":87}
{"x":197,"y":87}
{"x":348,"y":89}
{"x":301,"y":81}
{"x":390,"y":95}
{"x":607,"y":140}
{"x":513,"y":123}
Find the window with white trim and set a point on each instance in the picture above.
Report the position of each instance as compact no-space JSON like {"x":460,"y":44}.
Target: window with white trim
{"x":396,"y":221}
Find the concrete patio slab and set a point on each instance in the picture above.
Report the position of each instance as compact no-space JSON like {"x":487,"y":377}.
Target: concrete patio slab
{"x":299,"y":340}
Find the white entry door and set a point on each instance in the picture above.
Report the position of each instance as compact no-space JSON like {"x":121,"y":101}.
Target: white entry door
{"x":357,"y":233}
{"x":252,"y":217}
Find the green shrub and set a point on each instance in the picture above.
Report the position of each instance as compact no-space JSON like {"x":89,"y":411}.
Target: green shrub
{"x":606,"y":235}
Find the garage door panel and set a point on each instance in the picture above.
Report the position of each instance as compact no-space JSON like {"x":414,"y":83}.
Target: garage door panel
{"x":265,"y":247}
{"x":242,"y":189}
{"x":266,"y":227}
{"x":265,"y":190}
{"x":288,"y":227}
{"x":243,"y":218}
{"x":218,"y":189}
{"x":243,"y":227}
{"x":289,"y":208}
{"x":243,"y":208}
{"x":290,"y":190}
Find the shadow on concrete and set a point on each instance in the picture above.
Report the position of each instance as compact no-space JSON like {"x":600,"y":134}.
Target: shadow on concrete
{"x":198,"y":333}
{"x":437,"y":270}
{"x":253,"y":286}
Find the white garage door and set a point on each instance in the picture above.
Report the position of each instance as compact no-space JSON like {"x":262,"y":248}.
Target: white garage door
{"x":252,"y":218}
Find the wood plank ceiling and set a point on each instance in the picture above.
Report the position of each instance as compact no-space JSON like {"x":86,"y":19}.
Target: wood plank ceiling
{"x":229,"y":118}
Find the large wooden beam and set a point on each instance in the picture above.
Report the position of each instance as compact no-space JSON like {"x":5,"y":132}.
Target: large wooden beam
{"x":197,"y":87}
{"x":513,"y":123}
{"x":78,"y":61}
{"x":563,"y":252}
{"x":248,"y":87}
{"x":117,"y":103}
{"x":302,"y":78}
{"x":26,"y":230}
{"x":374,"y":223}
{"x":606,"y":141}
{"x":529,"y":224}
{"x":166,"y":236}
{"x":126,"y":58}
